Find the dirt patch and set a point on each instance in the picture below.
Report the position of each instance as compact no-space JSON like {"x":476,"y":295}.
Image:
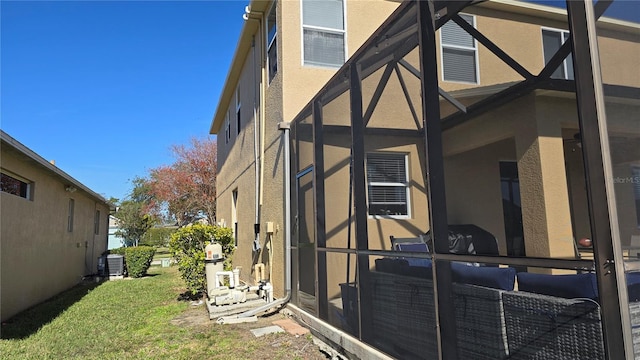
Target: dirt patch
{"x":273,"y":346}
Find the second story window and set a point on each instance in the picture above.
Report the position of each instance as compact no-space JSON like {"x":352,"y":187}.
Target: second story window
{"x":238,"y":112}
{"x":459,"y":52}
{"x":323,"y":32}
{"x":272,"y":43}
{"x":552,"y":40}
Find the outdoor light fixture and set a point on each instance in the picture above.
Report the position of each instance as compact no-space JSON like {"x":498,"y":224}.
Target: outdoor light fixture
{"x":70,"y":189}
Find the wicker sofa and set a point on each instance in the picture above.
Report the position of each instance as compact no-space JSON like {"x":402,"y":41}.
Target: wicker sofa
{"x":492,"y":320}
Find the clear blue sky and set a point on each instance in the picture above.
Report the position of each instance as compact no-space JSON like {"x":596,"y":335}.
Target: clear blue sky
{"x":105,"y":88}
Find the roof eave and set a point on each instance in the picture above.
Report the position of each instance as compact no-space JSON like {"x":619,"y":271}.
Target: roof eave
{"x":249,"y":29}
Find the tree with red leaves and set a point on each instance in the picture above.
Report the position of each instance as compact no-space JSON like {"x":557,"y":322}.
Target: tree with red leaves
{"x":187,"y":188}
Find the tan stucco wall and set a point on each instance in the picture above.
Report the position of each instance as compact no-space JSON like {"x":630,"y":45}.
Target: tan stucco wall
{"x":39,"y":257}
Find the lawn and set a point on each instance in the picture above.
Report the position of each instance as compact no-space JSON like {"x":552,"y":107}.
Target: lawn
{"x":133,"y":319}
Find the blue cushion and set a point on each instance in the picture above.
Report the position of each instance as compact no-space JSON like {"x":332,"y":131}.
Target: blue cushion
{"x":493,"y":277}
{"x":412,"y":247}
{"x":633,"y":286}
{"x":566,"y":286}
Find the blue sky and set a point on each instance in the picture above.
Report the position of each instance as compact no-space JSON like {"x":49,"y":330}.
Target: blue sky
{"x":105,"y":88}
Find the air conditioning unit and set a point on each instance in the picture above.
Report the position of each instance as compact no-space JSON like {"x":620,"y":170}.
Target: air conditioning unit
{"x":115,"y":265}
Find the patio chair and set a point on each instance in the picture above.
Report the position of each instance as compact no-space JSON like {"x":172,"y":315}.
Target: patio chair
{"x":414,"y":244}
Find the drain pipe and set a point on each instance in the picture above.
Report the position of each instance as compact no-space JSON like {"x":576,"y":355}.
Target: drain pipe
{"x":285,"y":127}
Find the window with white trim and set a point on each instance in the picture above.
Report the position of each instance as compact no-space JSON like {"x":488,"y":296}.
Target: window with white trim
{"x":459,"y":52}
{"x":238,"y":112}
{"x":227,"y":129}
{"x":272,"y":43}
{"x":323,"y":32}
{"x":15,"y":185}
{"x":552,"y":40}
{"x":388,"y":185}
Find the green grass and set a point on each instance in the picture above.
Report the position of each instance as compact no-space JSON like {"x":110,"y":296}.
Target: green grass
{"x":121,"y":319}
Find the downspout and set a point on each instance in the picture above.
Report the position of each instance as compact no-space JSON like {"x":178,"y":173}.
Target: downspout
{"x":285,"y":128}
{"x":256,"y":140}
{"x":258,"y":132}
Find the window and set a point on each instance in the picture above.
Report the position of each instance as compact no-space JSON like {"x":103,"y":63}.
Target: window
{"x":70,"y":215}
{"x":459,"y":52}
{"x":227,"y":130}
{"x":323,"y":32}
{"x":238,"y":106}
{"x":234,"y":215}
{"x":388,"y":185}
{"x":551,"y":42}
{"x":96,"y":223}
{"x":13,"y":185}
{"x":272,"y":43}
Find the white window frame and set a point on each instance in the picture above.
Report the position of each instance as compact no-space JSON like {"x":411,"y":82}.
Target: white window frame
{"x":564,"y":38}
{"x":465,"y":48}
{"x":391,"y":184}
{"x":271,"y":43}
{"x":227,"y":129}
{"x":28,"y":183}
{"x":238,"y":110}
{"x":234,"y":215}
{"x":327,"y":30}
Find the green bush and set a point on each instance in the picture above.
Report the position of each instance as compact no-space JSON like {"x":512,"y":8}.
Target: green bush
{"x":187,"y":248}
{"x":117,"y":251}
{"x":138,"y":259}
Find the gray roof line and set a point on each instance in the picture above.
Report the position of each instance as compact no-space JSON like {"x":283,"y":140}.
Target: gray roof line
{"x":6,"y":138}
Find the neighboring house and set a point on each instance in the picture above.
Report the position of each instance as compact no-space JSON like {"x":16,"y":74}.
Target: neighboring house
{"x":114,"y":241}
{"x":517,"y":151}
{"x":52,"y":230}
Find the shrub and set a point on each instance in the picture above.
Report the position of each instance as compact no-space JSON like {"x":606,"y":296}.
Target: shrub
{"x":117,"y":251}
{"x":187,"y":248}
{"x":138,"y":259}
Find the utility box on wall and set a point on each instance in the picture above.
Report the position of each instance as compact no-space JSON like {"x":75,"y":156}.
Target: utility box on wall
{"x":270,"y":228}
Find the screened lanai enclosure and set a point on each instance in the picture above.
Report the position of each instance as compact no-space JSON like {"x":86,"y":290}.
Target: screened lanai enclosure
{"x":493,"y":216}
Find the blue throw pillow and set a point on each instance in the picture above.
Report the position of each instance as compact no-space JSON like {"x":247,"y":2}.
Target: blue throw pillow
{"x":566,"y":286}
{"x":633,"y":286}
{"x":493,"y":277}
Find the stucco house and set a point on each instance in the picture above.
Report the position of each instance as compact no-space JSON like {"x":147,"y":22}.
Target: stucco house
{"x":369,"y":120}
{"x":52,"y":229}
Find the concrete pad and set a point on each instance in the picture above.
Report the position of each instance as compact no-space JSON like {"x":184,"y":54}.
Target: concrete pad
{"x":266,"y":330}
{"x":291,"y":327}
